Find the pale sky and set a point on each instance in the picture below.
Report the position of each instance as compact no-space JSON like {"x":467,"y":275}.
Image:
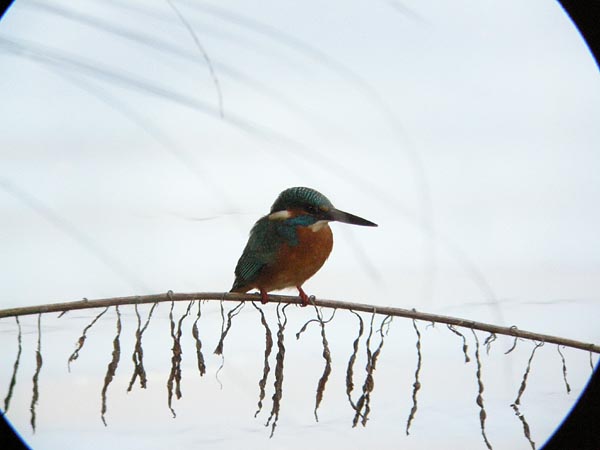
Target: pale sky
{"x":118,"y":176}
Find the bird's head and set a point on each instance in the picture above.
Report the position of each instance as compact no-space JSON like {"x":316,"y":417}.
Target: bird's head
{"x":304,"y":201}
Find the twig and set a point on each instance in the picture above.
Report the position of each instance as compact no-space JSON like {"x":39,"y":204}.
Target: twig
{"x":278,"y":370}
{"x":38,"y":367}
{"x":266,"y":368}
{"x":417,"y":383}
{"x":465,"y":347}
{"x":488,"y":342}
{"x":366,"y":385}
{"x":350,"y":369}
{"x":564,"y":369}
{"x":225,"y":329}
{"x":514,"y":345}
{"x":327,"y":357}
{"x":138,"y":351}
{"x":211,"y":69}
{"x":363,"y":405}
{"x":175,"y":374}
{"x":308,"y":322}
{"x":517,"y":402}
{"x":82,"y":338}
{"x":13,"y":379}
{"x":479,"y":399}
{"x":234,"y":297}
{"x":112,"y":366}
{"x":196,"y":335}
{"x":526,"y":374}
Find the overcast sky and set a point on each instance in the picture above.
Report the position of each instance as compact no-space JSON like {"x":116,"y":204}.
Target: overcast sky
{"x":129,"y":165}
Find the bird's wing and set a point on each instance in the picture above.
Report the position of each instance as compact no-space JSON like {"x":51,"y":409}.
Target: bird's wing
{"x":265,"y":239}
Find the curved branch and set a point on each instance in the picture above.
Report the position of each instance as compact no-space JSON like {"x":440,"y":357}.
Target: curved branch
{"x":233,"y":297}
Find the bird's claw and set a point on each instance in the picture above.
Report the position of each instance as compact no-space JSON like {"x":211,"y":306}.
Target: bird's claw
{"x":305,"y":299}
{"x":264,"y":297}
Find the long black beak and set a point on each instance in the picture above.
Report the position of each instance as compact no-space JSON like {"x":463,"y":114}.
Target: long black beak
{"x":341,"y":216}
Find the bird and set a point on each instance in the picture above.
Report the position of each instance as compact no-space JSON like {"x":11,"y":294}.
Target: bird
{"x":290,"y":244}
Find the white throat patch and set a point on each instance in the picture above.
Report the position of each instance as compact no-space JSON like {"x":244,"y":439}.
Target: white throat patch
{"x":318,"y":225}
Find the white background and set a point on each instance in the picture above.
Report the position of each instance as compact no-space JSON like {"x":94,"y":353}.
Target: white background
{"x":467,"y":130}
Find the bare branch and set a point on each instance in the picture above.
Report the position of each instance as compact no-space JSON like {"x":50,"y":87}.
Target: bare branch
{"x":234,"y":297}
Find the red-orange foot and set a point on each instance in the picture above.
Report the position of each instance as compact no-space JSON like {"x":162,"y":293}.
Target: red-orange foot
{"x":303,"y":296}
{"x":264,"y":298}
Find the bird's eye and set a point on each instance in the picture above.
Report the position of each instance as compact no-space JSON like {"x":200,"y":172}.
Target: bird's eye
{"x":312,"y":209}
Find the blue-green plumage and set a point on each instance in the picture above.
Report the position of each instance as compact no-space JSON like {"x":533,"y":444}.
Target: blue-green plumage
{"x":300,"y":197}
{"x":266,"y":237}
{"x":290,"y":244}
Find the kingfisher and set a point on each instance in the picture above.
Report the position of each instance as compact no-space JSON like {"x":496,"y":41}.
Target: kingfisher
{"x":290,"y":244}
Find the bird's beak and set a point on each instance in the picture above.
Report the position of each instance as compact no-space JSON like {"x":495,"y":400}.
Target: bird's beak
{"x":341,"y":216}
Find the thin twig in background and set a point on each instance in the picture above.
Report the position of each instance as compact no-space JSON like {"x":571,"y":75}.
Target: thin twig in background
{"x":209,"y":63}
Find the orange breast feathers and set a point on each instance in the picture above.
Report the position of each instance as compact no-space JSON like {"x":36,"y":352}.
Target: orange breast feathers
{"x":296,"y":264}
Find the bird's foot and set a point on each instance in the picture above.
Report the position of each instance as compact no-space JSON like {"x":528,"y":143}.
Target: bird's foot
{"x":304,"y":297}
{"x":264,"y":297}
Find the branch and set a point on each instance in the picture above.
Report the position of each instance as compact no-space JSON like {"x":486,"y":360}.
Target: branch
{"x":232,"y":297}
